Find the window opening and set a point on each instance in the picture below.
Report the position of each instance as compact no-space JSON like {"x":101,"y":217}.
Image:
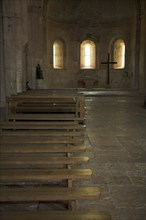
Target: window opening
{"x":58,"y":54}
{"x":119,"y":54}
{"x":87,"y":55}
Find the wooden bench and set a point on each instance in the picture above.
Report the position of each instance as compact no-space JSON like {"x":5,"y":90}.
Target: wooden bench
{"x":26,"y":148}
{"x":33,"y":166}
{"x":46,"y":106}
{"x":16,"y":133}
{"x":63,"y":104}
{"x":38,"y":194}
{"x":42,"y":141}
{"x":41,"y":126}
{"x":18,"y":176}
{"x":33,"y":194}
{"x":56,"y":215}
{"x":44,"y":133}
{"x":34,"y":160}
{"x":37,"y":150}
{"x":44,"y":117}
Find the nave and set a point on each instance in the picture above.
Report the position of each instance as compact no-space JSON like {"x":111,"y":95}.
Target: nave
{"x":115,"y":139}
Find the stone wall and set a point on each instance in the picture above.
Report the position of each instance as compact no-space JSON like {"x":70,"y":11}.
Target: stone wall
{"x":29,"y":29}
{"x":103,"y":28}
{"x":142,"y":69}
{"x":13,"y":37}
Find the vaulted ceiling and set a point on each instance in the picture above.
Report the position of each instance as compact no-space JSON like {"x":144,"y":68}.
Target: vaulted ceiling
{"x":80,"y":11}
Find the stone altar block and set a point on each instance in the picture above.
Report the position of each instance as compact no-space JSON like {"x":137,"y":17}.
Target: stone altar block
{"x":89,"y":77}
{"x":40,"y":84}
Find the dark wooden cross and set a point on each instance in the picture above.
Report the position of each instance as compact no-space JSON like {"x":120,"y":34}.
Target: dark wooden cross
{"x":108,"y":62}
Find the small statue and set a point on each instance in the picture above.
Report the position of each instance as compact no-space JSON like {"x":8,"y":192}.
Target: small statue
{"x":39,"y":72}
{"x":27,"y":86}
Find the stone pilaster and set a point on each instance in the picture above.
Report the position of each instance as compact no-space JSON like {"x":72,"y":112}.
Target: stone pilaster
{"x":2,"y":58}
{"x":14,"y":14}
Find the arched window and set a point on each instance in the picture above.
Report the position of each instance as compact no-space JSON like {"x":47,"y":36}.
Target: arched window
{"x":58,"y":54}
{"x":87,"y":55}
{"x":119,"y":54}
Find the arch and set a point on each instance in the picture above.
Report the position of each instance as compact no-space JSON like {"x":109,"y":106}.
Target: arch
{"x":58,"y":47}
{"x":119,"y":54}
{"x":87,"y":55}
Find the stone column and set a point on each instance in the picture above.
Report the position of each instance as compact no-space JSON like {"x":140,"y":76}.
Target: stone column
{"x":142,"y":66}
{"x":13,"y":14}
{"x":2,"y":58}
{"x":9,"y":46}
{"x":36,"y":38}
{"x":137,"y":43}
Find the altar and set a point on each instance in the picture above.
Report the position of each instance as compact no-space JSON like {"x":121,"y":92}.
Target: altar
{"x":88,"y":79}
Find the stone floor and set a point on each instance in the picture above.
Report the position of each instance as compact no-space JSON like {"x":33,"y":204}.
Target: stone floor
{"x":116,"y":144}
{"x":116,"y":140}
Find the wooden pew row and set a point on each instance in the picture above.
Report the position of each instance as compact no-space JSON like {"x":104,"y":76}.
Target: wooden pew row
{"x":45,"y":133}
{"x":29,"y":169}
{"x":21,"y":168}
{"x":16,"y":133}
{"x":47,"y":123}
{"x":47,"y":103}
{"x":32,"y":194}
{"x":24,"y":161}
{"x":46,"y":194}
{"x":38,"y":125}
{"x":56,"y":215}
{"x":40,"y":141}
{"x":45,"y":108}
{"x":14,"y":171}
{"x":44,"y":117}
{"x":51,"y":140}
{"x":50,"y":92}
{"x":45,"y":148}
{"x":21,"y":176}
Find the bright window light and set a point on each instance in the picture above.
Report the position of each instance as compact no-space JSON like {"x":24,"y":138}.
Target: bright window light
{"x":119,"y":54}
{"x":87,"y":55}
{"x":58,"y":54}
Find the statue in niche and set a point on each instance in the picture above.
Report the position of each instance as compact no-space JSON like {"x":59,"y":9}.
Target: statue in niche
{"x":39,"y":72}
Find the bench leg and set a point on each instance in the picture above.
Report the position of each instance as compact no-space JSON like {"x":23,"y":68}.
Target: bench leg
{"x":71,"y":204}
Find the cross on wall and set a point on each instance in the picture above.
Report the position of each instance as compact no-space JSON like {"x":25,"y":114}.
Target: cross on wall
{"x":108,"y":62}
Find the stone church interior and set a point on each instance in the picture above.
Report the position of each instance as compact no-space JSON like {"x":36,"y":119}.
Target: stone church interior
{"x":73,"y":109}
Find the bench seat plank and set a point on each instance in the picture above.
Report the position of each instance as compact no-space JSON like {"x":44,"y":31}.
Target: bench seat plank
{"x":49,"y":116}
{"x":39,"y":149}
{"x":32,"y":194}
{"x":42,"y":141}
{"x":42,"y":175}
{"x":40,"y":126}
{"x":41,"y":116}
{"x":43,"y":109}
{"x":56,"y":215}
{"x":41,"y":161}
{"x":41,"y":133}
{"x":40,"y":123}
{"x":44,"y":98}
